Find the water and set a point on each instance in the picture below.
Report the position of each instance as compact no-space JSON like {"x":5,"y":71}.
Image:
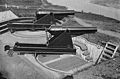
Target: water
{"x":86,"y":6}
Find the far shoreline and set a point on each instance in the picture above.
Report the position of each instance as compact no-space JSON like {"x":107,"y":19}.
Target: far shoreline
{"x":49,"y":5}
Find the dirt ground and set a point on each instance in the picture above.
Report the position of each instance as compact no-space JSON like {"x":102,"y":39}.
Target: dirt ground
{"x":105,"y":70}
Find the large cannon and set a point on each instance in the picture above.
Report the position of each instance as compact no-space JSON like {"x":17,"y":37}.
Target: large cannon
{"x":59,"y":42}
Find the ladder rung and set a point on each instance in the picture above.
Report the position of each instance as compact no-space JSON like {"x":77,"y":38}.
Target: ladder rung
{"x":111,"y":44}
{"x":112,"y":49}
{"x":108,"y":55}
{"x":103,"y":59}
{"x":109,"y":51}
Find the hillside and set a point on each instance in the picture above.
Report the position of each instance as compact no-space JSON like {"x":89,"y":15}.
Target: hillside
{"x":108,"y":3}
{"x":95,"y":17}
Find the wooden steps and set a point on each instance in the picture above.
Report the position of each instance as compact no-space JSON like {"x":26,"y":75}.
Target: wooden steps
{"x":108,"y":52}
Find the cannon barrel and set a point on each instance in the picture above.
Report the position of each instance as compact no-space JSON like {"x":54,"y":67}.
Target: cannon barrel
{"x":52,"y":29}
{"x":58,"y":14}
{"x":73,"y":30}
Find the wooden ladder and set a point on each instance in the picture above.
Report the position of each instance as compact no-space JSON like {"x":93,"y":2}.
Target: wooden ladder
{"x":108,"y":52}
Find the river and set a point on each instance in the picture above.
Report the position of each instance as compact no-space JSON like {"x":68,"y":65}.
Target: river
{"x":86,"y":6}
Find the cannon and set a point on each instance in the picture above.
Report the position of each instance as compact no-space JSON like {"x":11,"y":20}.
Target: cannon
{"x":58,"y":14}
{"x":59,"y":42}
